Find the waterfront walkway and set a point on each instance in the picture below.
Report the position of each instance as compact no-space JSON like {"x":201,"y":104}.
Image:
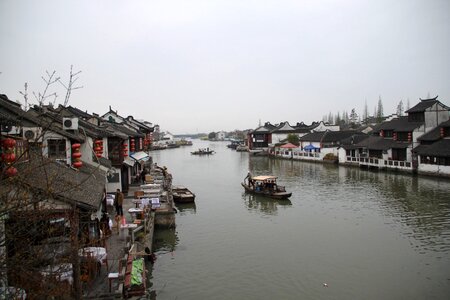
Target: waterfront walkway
{"x":116,"y":247}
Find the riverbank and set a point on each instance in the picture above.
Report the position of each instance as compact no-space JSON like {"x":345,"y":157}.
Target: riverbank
{"x":130,"y":240}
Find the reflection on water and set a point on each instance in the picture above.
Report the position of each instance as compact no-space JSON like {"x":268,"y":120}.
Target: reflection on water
{"x":186,"y":208}
{"x":165,"y":240}
{"x":263,"y":204}
{"x":369,"y":235}
{"x":420,"y":203}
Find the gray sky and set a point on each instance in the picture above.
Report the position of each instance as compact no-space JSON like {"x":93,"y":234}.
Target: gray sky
{"x":201,"y":66}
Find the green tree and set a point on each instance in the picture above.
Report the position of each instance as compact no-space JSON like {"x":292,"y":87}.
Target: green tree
{"x":365,"y":113}
{"x":212,"y":136}
{"x":400,"y":108}
{"x":379,"y":114}
{"x":293,"y":139}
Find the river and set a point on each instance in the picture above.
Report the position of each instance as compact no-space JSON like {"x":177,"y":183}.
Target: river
{"x":345,"y":233}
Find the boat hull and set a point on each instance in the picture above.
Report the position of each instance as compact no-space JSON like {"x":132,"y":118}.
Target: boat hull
{"x":274,"y":195}
{"x":182,"y":195}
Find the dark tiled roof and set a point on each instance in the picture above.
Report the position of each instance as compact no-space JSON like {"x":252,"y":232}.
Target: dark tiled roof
{"x":380,"y":143}
{"x":83,"y":187}
{"x":352,"y":141}
{"x":435,"y":133}
{"x":399,"y":124}
{"x":13,"y":111}
{"x":327,"y":136}
{"x":53,"y":122}
{"x":78,"y":112}
{"x":337,"y":136}
{"x":139,"y":123}
{"x":284,"y":127}
{"x":7,"y":119}
{"x":424,"y":104}
{"x":124,"y":130}
{"x":313,"y":136}
{"x":440,"y":149}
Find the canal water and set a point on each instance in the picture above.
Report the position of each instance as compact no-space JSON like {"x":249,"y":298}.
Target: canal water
{"x":345,"y":233}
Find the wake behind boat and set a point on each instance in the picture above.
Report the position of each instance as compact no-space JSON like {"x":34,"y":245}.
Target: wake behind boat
{"x":265,"y":186}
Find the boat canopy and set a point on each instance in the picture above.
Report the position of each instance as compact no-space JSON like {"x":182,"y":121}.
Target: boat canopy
{"x":263,"y":178}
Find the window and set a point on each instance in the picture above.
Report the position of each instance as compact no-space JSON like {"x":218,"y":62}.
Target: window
{"x":446,"y":131}
{"x":57,"y":148}
{"x":402,"y":136}
{"x":388,"y":133}
{"x":434,"y":160}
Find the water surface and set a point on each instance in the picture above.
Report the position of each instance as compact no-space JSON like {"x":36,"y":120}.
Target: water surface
{"x":367,"y":235}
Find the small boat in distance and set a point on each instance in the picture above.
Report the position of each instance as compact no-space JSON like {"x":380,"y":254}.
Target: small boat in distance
{"x":182,"y":194}
{"x":203,"y":151}
{"x":265,"y":186}
{"x":241,"y":148}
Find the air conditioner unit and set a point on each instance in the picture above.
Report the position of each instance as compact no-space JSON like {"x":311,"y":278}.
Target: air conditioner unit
{"x":9,"y":129}
{"x":32,"y":134}
{"x":70,"y":123}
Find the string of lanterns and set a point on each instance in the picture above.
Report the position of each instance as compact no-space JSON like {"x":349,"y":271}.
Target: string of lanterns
{"x":76,"y":156}
{"x":98,"y":149}
{"x":8,"y":156}
{"x":125,"y":149}
{"x":132,"y":145}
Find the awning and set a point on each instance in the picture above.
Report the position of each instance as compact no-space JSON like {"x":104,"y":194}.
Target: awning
{"x":310,"y":147}
{"x":128,"y":161}
{"x":263,"y":178}
{"x":140,"y":156}
{"x":289,"y":146}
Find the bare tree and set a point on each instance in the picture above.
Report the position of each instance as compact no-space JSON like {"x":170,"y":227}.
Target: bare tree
{"x":40,"y":233}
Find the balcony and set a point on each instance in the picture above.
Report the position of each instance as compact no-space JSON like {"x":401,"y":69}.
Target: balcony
{"x":381,"y":163}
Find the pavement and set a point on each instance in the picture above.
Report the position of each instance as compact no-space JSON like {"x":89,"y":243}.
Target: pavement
{"x":116,"y":245}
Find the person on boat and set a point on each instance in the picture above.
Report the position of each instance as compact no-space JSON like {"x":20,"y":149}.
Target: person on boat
{"x":250,"y":179}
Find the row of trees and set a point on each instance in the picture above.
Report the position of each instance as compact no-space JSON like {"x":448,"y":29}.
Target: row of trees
{"x":353,"y":119}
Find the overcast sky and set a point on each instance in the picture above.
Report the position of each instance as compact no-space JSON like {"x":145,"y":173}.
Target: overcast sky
{"x":202,"y":66}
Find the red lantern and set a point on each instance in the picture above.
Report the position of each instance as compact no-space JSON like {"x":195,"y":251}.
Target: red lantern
{"x":77,"y":164}
{"x":8,"y":157}
{"x":98,"y":149}
{"x":9,"y":143}
{"x":125,"y":150}
{"x":11,"y":172}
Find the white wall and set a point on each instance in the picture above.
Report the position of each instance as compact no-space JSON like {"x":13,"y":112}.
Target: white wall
{"x":434,"y":169}
{"x":49,"y":135}
{"x":87,"y":150}
{"x":342,"y":155}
